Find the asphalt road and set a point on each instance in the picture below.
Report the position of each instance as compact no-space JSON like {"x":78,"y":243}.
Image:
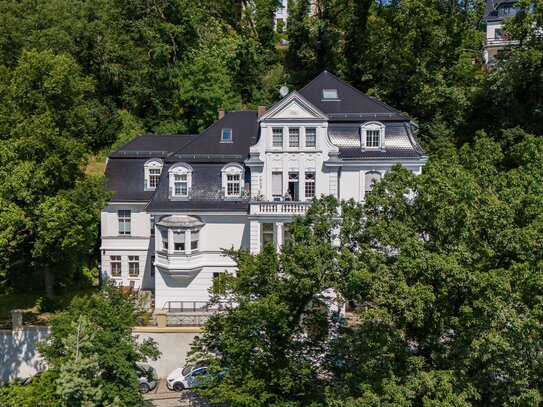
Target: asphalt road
{"x":162,"y":397}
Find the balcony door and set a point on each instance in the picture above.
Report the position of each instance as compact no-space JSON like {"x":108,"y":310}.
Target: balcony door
{"x":293,"y":185}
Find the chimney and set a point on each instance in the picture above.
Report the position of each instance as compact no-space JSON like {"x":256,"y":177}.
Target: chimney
{"x":221,"y":113}
{"x":261,"y":111}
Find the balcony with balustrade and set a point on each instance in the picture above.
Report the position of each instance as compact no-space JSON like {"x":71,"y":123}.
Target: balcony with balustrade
{"x":278,"y":208}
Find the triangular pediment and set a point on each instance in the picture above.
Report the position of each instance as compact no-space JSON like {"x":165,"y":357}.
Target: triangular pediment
{"x":294,"y":107}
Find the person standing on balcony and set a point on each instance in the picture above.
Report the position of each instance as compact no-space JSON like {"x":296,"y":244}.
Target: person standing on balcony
{"x":287,"y":196}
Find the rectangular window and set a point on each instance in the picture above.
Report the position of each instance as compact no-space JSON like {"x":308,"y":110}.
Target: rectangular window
{"x":180,"y":185}
{"x":152,"y":222}
{"x":277,"y":184}
{"x":115,"y":264}
{"x":309,"y":184}
{"x":152,"y":266}
{"x":219,"y":286}
{"x":233,"y":187}
{"x":178,"y":241}
{"x":164,"y":243}
{"x":124,"y":222}
{"x":329,"y":94}
{"x":226,"y":135}
{"x":267,"y":232}
{"x":133,"y":266}
{"x":498,"y":34}
{"x":154,"y":175}
{"x":372,"y":138}
{"x":194,"y":237}
{"x":277,"y":136}
{"x":311,"y":137}
{"x":294,"y":137}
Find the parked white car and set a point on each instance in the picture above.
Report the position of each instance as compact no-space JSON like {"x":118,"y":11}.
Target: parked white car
{"x":186,"y":377}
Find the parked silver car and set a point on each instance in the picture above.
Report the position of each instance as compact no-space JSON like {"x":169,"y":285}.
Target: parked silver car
{"x":147,"y":377}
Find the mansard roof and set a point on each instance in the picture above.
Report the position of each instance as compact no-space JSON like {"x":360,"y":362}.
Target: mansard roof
{"x":207,"y":146}
{"x":351,"y":104}
{"x":491,"y":11}
{"x":206,"y":192}
{"x":153,"y":145}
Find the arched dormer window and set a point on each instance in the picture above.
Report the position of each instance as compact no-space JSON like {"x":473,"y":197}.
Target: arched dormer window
{"x":153,"y":169}
{"x":373,"y":136}
{"x":180,"y":181}
{"x":232,"y":181}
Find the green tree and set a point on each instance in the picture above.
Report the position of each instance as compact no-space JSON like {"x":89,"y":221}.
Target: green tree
{"x":94,"y":334}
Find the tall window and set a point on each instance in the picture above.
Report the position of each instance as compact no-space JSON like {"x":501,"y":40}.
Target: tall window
{"x":219,"y":286}
{"x":115,"y":264}
{"x":180,"y":185}
{"x":370,"y":179}
{"x":233,"y":185}
{"x":179,"y":241}
{"x":124,"y":222}
{"x":310,"y":137}
{"x":232,"y":180}
{"x":152,"y":266}
{"x":153,"y":169}
{"x":294,"y":137}
{"x":152,"y":222}
{"x":309,"y":184}
{"x":372,"y":138}
{"x":180,"y":181}
{"x":277,"y":136}
{"x":267,"y":232}
{"x":277,"y":185}
{"x":133,"y":266}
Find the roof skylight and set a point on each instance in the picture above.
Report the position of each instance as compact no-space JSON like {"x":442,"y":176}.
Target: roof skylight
{"x":329,"y":94}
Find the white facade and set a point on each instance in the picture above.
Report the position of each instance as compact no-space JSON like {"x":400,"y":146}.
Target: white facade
{"x":179,"y":253}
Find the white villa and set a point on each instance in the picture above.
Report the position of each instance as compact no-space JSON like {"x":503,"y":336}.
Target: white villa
{"x":180,"y":199}
{"x":496,"y":38}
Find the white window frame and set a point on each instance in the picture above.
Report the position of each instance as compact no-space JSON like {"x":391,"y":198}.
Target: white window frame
{"x":313,"y":144}
{"x":152,"y":165}
{"x":311,"y":180}
{"x":182,"y":170}
{"x":369,"y":176}
{"x":124,"y":217}
{"x":294,"y":137}
{"x":229,"y":132}
{"x":116,"y":260}
{"x":229,"y":171}
{"x":274,"y":144}
{"x":133,"y":261}
{"x":327,"y":94}
{"x":372,"y":126}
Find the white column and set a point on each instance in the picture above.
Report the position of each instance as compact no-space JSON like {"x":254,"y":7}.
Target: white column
{"x":254,"y":231}
{"x":333,"y":184}
{"x":170,"y":241}
{"x":187,"y":242}
{"x":158,"y":239}
{"x":278,"y":234}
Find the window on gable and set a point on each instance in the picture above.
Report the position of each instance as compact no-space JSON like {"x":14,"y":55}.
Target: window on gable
{"x":232,"y":180}
{"x":329,"y":94}
{"x":294,"y":137}
{"x":310,"y":137}
{"x":180,"y":181}
{"x":277,"y":137}
{"x":153,"y":169}
{"x":373,"y":136}
{"x":233,"y":185}
{"x":226,"y":135}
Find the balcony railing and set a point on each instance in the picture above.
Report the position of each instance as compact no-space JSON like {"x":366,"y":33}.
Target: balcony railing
{"x":279,"y":208}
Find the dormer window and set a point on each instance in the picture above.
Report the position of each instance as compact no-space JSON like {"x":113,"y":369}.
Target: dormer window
{"x":180,"y":181}
{"x":373,"y":136}
{"x":232,"y":181}
{"x":153,"y":169}
{"x":329,"y":94}
{"x":226,"y":135}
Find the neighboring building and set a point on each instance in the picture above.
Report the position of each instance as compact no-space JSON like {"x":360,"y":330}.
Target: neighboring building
{"x":496,"y":38}
{"x":281,"y":15}
{"x":179,"y":200}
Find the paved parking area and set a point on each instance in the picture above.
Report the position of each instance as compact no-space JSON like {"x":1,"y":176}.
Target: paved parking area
{"x":161,"y":396}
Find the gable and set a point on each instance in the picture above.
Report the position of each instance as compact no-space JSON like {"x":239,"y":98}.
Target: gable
{"x":293,"y":107}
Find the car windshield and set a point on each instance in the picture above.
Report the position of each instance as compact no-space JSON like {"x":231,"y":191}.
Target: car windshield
{"x":186,"y":370}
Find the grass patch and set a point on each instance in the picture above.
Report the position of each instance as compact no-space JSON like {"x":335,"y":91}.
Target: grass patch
{"x":95,"y":166}
{"x":27,"y":302}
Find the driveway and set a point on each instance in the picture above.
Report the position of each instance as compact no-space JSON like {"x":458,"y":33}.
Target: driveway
{"x":162,"y":397}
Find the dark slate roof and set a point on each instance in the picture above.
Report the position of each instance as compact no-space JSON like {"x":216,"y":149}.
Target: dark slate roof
{"x":206,"y":193}
{"x":207,"y":146}
{"x":399,"y":141}
{"x":153,"y":145}
{"x":491,"y":12}
{"x":351,"y":103}
{"x":125,"y":177}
